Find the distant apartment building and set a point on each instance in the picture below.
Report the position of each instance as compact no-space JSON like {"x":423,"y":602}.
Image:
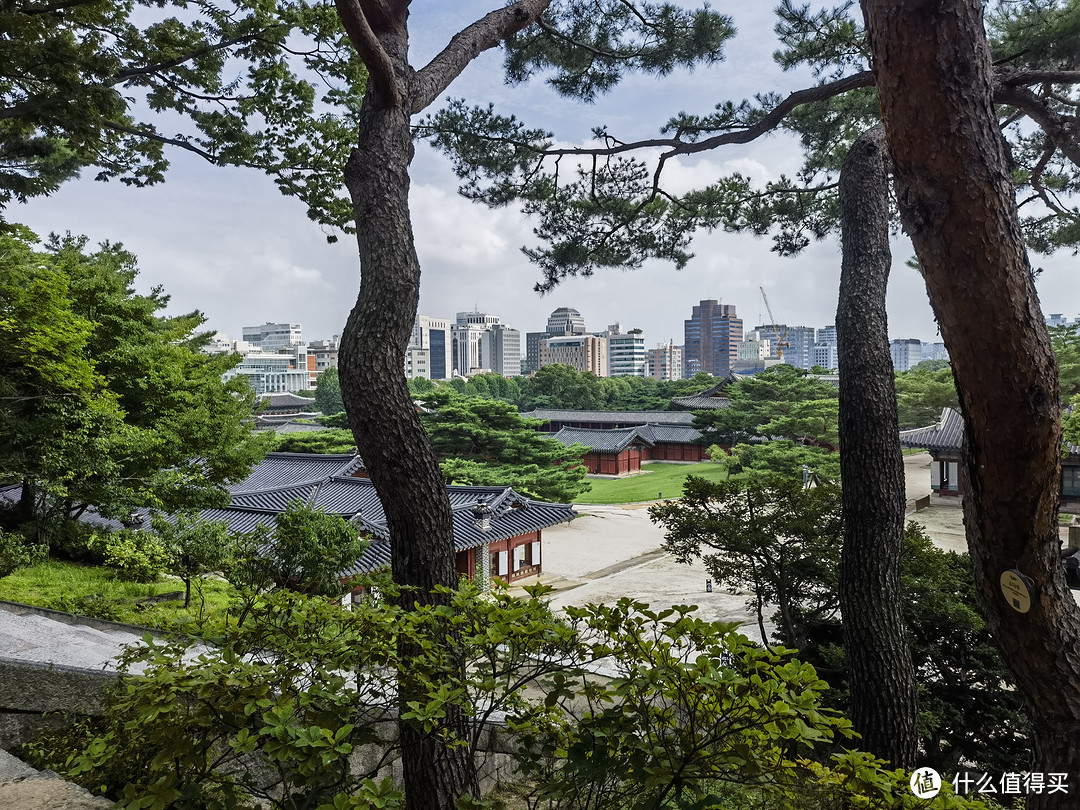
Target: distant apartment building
{"x":711,"y":339}
{"x":665,"y":362}
{"x":1058,"y":319}
{"x":417,"y":363}
{"x":824,"y":351}
{"x":934,"y":351}
{"x":429,"y":354}
{"x":272,"y":337}
{"x":824,"y":355}
{"x":795,"y":342}
{"x":274,"y":359}
{"x":277,"y":372}
{"x":905,"y":353}
{"x":583,"y":352}
{"x":502,"y":346}
{"x":626,"y":354}
{"x":325,"y":353}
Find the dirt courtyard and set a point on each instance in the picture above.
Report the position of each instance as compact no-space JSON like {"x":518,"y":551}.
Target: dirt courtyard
{"x":615,"y":551}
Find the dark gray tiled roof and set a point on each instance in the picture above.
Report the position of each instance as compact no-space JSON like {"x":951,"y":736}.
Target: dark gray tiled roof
{"x":701,"y":402}
{"x":288,"y":469}
{"x":324,"y":482}
{"x":672,"y":434}
{"x":603,"y":441}
{"x":946,"y":436}
{"x":269,"y":402}
{"x":623,"y":418}
{"x":617,"y":440}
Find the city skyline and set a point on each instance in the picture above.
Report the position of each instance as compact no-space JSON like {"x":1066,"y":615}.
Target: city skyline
{"x":226,"y":242}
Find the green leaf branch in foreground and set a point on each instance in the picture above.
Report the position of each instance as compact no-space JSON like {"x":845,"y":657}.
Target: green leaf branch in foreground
{"x":615,"y":706}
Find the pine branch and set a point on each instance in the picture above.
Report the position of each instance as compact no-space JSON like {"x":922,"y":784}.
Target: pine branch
{"x":469,"y":43}
{"x":371,"y":51}
{"x":1059,"y":129}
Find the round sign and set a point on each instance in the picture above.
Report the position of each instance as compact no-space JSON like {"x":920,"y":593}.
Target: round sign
{"x":1017,"y":590}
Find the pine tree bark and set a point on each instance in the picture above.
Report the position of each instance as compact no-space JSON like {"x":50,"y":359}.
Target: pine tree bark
{"x":388,"y":432}
{"x":935,"y":82}
{"x":884,"y":707}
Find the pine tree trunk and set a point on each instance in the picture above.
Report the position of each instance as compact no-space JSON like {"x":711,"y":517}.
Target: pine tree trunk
{"x":958,"y":205}
{"x":388,"y":433}
{"x":884,"y":708}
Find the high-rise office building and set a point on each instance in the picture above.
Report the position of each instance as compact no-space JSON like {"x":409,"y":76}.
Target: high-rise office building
{"x":711,"y":339}
{"x":501,"y":350}
{"x":626,"y":354}
{"x":583,"y":352}
{"x":431,"y":335}
{"x":563,"y":321}
{"x":665,"y":362}
{"x":906,"y":352}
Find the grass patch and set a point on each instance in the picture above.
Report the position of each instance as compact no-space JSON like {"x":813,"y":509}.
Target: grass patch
{"x":661,"y":478}
{"x":1065,"y":518}
{"x":90,"y":590}
{"x":912,"y":451}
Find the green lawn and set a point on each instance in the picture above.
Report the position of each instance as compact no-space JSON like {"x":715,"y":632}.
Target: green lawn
{"x":90,"y":590}
{"x":660,"y":478}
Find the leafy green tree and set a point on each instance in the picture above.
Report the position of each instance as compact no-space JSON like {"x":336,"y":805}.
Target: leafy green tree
{"x":781,"y":457}
{"x":196,"y":547}
{"x":923,"y":391}
{"x":61,"y":425}
{"x":485,"y":441}
{"x":317,"y":441}
{"x":109,"y":403}
{"x":328,"y":393}
{"x":306,"y":552}
{"x":1066,"y":343}
{"x":103,"y":85}
{"x":560,"y":386}
{"x":768,"y":534}
{"x":781,"y":401}
{"x":970,"y":714}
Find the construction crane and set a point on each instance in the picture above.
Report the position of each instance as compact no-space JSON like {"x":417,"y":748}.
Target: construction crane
{"x":781,"y":340}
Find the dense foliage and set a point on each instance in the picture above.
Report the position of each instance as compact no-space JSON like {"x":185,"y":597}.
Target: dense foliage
{"x":780,"y":542}
{"x":108,"y":402}
{"x":923,"y":391}
{"x":767,"y":534}
{"x":688,"y":712}
{"x":781,"y":420}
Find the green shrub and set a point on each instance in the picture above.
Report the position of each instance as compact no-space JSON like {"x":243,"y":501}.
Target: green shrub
{"x":79,"y":542}
{"x":18,"y":552}
{"x":135,"y":556}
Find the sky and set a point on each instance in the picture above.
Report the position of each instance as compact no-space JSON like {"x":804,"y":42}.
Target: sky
{"x":226,"y":242}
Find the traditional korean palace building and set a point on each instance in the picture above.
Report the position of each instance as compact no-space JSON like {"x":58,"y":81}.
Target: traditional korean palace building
{"x":621,"y":450}
{"x":945,"y":441}
{"x":621,"y":440}
{"x":508,"y":546}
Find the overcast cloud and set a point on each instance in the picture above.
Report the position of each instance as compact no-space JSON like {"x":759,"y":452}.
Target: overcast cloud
{"x":226,"y":242}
